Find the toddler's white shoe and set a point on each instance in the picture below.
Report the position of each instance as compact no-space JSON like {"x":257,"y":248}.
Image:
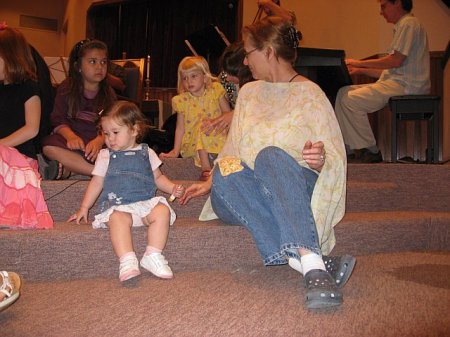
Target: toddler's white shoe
{"x":156,"y":264}
{"x":129,"y":268}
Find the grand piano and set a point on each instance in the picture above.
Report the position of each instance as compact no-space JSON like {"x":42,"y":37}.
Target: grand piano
{"x":326,"y":67}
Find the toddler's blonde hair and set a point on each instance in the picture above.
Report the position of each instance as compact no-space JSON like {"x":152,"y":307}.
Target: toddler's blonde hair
{"x":194,"y":63}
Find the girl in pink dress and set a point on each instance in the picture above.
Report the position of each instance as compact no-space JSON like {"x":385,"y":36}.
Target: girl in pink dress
{"x":22,"y":203}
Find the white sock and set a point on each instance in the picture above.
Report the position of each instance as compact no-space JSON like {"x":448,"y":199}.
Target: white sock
{"x":295,"y":264}
{"x":127,"y":256}
{"x":311,"y":261}
{"x":152,"y":250}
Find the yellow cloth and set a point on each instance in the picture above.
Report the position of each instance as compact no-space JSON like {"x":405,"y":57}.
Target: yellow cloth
{"x":229,"y":165}
{"x":195,"y":110}
{"x":287,"y":115}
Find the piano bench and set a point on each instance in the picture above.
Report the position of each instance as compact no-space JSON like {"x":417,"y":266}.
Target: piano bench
{"x":416,"y":107}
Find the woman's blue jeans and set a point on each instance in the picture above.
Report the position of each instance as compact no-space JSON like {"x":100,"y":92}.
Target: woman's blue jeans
{"x":273,"y":202}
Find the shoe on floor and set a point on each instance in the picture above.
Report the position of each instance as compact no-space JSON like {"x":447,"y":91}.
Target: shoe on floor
{"x":55,"y":171}
{"x":368,"y":157}
{"x":10,"y":288}
{"x":129,"y":268}
{"x":339,"y":267}
{"x":51,"y":170}
{"x":156,"y":264}
{"x":321,"y":290}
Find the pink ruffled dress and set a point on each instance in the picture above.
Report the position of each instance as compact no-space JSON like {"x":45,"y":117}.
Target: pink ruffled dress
{"x":22,"y":204}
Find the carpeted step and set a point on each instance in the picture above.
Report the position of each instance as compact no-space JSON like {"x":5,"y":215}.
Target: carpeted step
{"x":403,"y":187}
{"x":64,"y":198}
{"x":370,"y":188}
{"x":390,"y":207}
{"x":389,"y":295}
{"x":72,"y":251}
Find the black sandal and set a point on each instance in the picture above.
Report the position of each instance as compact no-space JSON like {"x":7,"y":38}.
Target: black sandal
{"x":322,"y":291}
{"x":56,"y":171}
{"x":340,"y":268}
{"x":51,"y":170}
{"x":63,"y":173}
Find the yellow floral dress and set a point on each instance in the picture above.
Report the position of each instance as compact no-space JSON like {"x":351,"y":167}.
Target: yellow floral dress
{"x":195,"y":110}
{"x":287,"y":115}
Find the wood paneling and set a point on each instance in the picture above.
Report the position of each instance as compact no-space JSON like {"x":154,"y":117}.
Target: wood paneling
{"x":445,"y":139}
{"x":163,"y":94}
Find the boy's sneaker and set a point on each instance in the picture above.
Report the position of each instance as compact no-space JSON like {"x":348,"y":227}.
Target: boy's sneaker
{"x":156,"y":264}
{"x":129,"y":268}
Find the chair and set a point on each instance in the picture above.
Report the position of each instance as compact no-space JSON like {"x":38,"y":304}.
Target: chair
{"x":134,"y":69}
{"x":58,"y":67}
{"x":417,"y":107}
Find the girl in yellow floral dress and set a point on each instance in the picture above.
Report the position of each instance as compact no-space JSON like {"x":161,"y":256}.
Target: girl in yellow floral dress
{"x":200,"y":97}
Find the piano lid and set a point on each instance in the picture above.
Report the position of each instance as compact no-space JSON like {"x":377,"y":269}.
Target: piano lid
{"x":326,"y":67}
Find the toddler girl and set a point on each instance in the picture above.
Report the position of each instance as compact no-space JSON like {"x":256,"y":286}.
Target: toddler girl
{"x":22,"y":203}
{"x":126,"y":176}
{"x":200,"y":97}
{"x":75,"y":142}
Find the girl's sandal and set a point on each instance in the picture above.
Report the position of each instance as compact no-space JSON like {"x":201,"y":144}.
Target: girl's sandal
{"x":10,"y":288}
{"x":51,"y":170}
{"x":340,"y":268}
{"x":56,"y":171}
{"x":63,"y":173}
{"x":322,"y":292}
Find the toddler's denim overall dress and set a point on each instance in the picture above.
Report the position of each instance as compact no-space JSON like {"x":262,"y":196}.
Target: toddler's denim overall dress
{"x":129,"y":178}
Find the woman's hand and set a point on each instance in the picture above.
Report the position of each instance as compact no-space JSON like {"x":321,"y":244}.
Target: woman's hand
{"x":196,"y":190}
{"x":217,"y":125}
{"x":93,"y":148}
{"x":314,"y":155}
{"x":74,"y":142}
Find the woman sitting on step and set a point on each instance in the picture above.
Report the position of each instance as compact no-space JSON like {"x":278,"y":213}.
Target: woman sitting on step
{"x":271,"y":175}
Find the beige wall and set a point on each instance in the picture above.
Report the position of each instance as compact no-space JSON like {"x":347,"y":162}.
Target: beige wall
{"x":71,"y":16}
{"x":352,"y":25}
{"x":356,"y":26}
{"x":47,"y":42}
{"x":75,"y":17}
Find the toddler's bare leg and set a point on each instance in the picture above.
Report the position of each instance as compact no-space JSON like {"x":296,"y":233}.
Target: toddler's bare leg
{"x":158,"y":222}
{"x":120,"y":232}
